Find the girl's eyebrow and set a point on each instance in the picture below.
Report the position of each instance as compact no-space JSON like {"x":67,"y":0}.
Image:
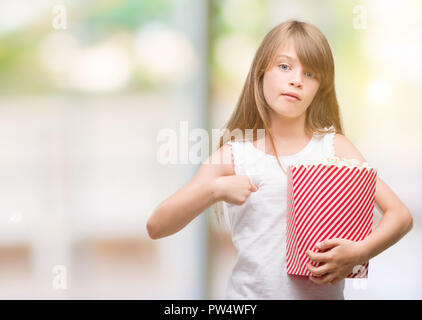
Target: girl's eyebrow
{"x":286,"y":56}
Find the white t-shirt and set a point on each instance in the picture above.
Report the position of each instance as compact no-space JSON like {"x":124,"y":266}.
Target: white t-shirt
{"x":258,"y":227}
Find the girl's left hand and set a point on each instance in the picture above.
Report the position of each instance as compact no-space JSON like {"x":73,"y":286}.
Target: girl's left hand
{"x":340,"y":259}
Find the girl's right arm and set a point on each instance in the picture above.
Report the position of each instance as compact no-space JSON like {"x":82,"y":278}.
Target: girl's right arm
{"x":214,"y":181}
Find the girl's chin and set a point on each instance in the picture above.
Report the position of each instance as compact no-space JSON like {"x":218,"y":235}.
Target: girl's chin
{"x":286,"y":111}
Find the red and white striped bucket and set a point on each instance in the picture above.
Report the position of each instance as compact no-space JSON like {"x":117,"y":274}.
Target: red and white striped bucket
{"x":325,"y":202}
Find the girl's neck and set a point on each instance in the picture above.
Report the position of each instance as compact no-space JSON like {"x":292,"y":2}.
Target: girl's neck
{"x":288,"y":129}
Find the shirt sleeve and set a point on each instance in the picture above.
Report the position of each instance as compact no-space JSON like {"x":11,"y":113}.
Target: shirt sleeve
{"x":237,"y":156}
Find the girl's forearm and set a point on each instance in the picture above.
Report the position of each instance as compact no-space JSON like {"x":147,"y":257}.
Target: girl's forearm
{"x":182,"y":207}
{"x":392,"y":227}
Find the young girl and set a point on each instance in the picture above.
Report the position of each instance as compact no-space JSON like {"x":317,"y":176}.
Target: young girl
{"x":290,"y":93}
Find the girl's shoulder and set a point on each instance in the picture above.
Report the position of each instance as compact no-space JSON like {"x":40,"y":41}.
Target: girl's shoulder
{"x":222,"y":159}
{"x":344,"y":148}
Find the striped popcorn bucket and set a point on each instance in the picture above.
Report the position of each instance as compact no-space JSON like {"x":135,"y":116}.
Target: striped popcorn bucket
{"x":323,"y":202}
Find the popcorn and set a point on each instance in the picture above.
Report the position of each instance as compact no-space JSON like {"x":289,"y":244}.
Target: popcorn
{"x":338,"y":162}
{"x":331,"y":198}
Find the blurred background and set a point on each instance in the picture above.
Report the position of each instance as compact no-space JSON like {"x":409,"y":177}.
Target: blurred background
{"x":87,"y":86}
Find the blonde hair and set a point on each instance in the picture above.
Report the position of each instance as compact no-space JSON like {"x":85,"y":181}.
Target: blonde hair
{"x":315,"y":55}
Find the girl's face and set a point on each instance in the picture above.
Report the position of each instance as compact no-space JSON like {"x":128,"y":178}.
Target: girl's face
{"x":287,"y":75}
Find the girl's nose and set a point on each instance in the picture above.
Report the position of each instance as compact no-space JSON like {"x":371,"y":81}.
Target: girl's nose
{"x":296,"y":80}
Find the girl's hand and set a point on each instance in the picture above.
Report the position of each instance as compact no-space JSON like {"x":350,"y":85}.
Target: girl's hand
{"x":234,"y":189}
{"x":339,"y":257}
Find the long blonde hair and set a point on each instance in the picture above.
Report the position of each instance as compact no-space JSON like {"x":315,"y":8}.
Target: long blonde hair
{"x":315,"y":55}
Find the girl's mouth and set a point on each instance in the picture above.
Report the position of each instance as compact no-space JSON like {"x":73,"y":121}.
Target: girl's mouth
{"x":290,"y":98}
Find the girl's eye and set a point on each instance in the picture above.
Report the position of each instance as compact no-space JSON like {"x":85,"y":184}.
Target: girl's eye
{"x":310,"y":74}
{"x":283,"y":65}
